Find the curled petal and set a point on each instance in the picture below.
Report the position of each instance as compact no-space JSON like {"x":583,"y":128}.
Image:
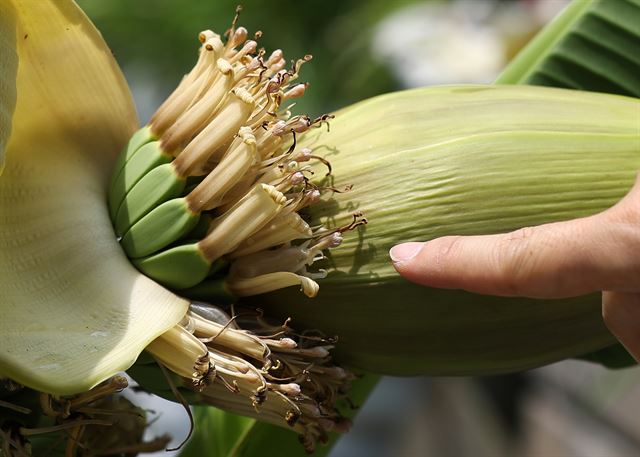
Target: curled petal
{"x":74,"y":311}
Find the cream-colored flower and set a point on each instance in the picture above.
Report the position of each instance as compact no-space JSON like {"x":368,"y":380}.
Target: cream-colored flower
{"x":74,"y":309}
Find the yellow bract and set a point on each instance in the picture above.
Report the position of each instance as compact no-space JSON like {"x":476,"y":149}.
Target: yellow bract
{"x":74,"y":310}
{"x":8,"y":66}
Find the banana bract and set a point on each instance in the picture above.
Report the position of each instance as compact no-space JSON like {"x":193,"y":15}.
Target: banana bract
{"x":462,"y":160}
{"x":74,"y":309}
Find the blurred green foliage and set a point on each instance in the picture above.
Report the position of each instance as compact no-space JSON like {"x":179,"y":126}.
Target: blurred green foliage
{"x":159,"y":38}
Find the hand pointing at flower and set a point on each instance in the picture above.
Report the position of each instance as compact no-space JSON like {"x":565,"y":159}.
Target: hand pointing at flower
{"x":564,"y":259}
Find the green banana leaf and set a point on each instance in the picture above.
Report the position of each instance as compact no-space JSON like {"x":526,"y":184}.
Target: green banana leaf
{"x":591,"y":46}
{"x":222,"y":434}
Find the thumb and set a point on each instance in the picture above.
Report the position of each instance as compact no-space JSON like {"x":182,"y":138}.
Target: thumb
{"x":549,"y":261}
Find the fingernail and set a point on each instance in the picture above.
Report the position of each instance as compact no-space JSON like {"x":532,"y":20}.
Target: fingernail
{"x":404,"y":252}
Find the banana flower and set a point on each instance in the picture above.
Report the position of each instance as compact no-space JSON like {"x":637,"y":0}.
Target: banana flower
{"x":76,"y":311}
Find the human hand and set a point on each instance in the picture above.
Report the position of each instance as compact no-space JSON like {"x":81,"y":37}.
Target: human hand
{"x":558,"y":260}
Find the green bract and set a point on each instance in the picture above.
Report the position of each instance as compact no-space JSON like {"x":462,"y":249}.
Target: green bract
{"x":459,"y":161}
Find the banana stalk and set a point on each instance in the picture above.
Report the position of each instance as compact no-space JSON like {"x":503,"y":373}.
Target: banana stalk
{"x":461,"y":160}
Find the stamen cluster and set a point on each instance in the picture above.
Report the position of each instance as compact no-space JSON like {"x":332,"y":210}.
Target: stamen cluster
{"x":216,"y":179}
{"x":250,"y":366}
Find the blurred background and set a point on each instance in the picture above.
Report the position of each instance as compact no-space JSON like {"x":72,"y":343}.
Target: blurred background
{"x":362,"y":49}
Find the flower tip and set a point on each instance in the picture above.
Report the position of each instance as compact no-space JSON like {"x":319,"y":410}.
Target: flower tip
{"x":205,"y":35}
{"x":309,"y":287}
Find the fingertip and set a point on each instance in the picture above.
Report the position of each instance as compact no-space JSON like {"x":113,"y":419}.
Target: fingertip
{"x":403,"y":253}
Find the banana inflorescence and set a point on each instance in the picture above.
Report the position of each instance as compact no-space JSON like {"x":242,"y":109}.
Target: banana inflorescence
{"x":216,"y":174}
{"x":205,"y":200}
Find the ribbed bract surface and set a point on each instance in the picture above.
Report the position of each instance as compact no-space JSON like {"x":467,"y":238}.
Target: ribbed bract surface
{"x":463,"y":160}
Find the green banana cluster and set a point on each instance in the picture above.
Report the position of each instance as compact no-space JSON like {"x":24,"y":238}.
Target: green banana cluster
{"x":144,"y":183}
{"x":216,"y":177}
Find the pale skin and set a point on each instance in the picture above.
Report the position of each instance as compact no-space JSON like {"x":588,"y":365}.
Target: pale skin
{"x":600,"y":253}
